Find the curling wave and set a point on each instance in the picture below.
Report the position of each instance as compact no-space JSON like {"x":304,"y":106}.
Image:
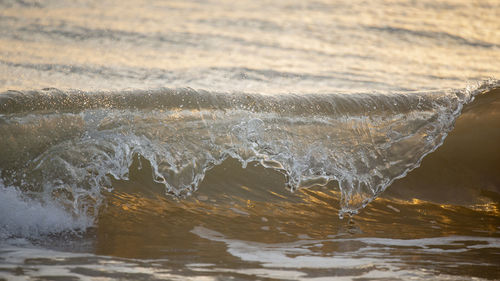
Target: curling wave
{"x":63,"y":149}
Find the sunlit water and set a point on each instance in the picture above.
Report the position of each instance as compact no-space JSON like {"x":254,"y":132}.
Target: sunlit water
{"x":200,"y":140}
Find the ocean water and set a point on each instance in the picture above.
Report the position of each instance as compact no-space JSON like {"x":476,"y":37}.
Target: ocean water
{"x":249,"y":140}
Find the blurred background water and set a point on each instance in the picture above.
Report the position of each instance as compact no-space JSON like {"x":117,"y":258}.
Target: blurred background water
{"x":251,"y":46}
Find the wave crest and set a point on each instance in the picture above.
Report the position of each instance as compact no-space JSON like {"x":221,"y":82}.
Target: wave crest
{"x":70,"y":146}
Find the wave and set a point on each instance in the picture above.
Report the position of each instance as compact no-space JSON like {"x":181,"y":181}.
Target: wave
{"x":64,"y":149}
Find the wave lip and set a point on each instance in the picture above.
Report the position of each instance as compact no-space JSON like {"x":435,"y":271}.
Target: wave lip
{"x":69,"y":146}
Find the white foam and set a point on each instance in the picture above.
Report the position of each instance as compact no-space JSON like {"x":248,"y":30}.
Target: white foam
{"x":289,"y":260}
{"x":283,"y":255}
{"x":24,"y":217}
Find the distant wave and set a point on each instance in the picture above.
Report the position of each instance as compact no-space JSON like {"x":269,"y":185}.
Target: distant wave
{"x":64,"y":148}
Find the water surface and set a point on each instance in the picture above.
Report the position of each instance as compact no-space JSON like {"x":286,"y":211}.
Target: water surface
{"x":222,"y":140}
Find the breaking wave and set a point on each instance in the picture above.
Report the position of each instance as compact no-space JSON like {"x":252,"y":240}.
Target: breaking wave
{"x":60,"y":150}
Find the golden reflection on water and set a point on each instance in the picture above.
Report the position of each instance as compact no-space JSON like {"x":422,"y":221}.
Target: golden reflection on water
{"x":152,"y":223}
{"x":255,"y":217}
{"x":253,"y":204}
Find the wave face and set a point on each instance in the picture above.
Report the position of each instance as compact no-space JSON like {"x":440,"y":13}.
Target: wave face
{"x":64,"y":149}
